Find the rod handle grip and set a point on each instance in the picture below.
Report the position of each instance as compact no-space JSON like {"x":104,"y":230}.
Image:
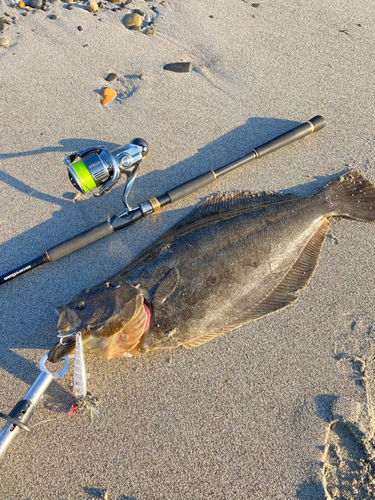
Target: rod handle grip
{"x":80,"y":241}
{"x":307,"y":128}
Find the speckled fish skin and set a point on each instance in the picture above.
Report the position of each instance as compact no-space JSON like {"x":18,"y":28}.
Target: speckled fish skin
{"x":235,"y":258}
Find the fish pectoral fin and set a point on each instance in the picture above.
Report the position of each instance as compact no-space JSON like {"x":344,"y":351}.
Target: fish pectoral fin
{"x":166,"y":286}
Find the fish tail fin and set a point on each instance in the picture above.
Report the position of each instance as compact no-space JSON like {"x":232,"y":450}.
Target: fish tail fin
{"x":351,"y":195}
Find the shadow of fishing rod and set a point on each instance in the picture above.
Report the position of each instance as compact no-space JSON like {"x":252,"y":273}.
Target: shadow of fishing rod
{"x":87,"y":174}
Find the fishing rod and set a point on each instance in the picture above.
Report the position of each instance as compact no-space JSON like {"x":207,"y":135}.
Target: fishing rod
{"x":100,"y":169}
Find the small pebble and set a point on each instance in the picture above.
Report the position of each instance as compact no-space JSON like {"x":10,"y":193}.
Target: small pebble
{"x":164,"y":2}
{"x":36,"y":4}
{"x":211,"y":17}
{"x":107,"y":95}
{"x":24,"y":14}
{"x":132,"y":19}
{"x":111,"y":77}
{"x":92,"y":6}
{"x":255,"y":5}
{"x":79,"y":28}
{"x":71,"y":7}
{"x":137,"y":11}
{"x":3,"y":25}
{"x":4,"y":42}
{"x":150,"y":32}
{"x":180,"y":67}
{"x":53,"y":16}
{"x":22,"y":5}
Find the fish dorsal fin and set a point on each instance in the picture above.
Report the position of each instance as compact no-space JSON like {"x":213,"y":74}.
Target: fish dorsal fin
{"x":166,"y":286}
{"x":215,"y":209}
{"x":285,"y":293}
{"x":228,"y":205}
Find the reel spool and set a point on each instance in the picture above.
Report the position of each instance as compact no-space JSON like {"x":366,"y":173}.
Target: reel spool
{"x":100,"y":168}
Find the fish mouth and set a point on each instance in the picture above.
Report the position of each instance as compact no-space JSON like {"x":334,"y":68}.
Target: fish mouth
{"x":61,"y":349}
{"x":68,"y":321}
{"x":67,"y":325}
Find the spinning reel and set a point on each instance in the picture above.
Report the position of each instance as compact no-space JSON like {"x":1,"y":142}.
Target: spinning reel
{"x":99,"y":168}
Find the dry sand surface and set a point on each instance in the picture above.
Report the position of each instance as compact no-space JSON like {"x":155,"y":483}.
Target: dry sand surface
{"x":279,"y":409}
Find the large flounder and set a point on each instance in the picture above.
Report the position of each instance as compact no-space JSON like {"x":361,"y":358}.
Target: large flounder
{"x":233,"y":259}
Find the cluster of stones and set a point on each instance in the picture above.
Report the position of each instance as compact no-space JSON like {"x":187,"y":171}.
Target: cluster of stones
{"x":25,"y":7}
{"x":133,"y":20}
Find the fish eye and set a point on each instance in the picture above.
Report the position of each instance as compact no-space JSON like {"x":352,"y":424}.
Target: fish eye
{"x":81,"y":304}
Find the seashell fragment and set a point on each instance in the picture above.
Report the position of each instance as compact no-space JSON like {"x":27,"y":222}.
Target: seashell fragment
{"x":107,"y":95}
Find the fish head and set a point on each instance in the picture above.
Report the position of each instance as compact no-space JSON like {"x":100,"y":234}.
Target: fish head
{"x":112,"y":317}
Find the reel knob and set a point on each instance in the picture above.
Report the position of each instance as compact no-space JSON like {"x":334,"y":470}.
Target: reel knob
{"x":142,"y":144}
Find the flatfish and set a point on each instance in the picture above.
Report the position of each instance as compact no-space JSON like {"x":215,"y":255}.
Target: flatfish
{"x":235,"y":258}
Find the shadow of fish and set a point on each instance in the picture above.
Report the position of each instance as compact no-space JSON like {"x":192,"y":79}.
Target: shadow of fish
{"x":235,"y":258}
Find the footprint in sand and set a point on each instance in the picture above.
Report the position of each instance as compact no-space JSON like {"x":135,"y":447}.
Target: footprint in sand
{"x":128,"y":85}
{"x":349,"y":452}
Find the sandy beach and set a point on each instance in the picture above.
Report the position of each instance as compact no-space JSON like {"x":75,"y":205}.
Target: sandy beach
{"x":278,"y":409}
